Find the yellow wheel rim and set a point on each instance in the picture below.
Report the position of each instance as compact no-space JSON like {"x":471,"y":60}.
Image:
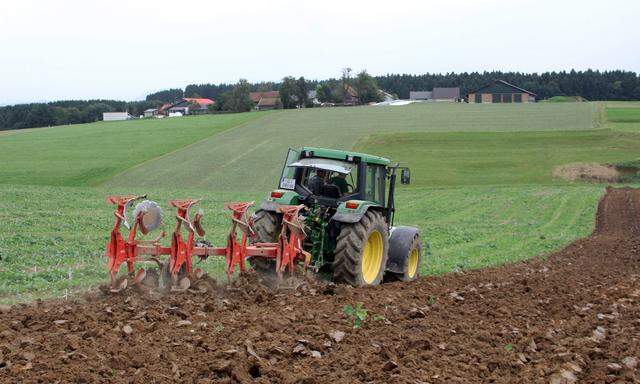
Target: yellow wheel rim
{"x":412,"y":263}
{"x":372,"y":257}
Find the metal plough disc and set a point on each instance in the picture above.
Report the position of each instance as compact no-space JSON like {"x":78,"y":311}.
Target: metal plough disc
{"x":152,"y":217}
{"x":120,"y":284}
{"x":183,"y":284}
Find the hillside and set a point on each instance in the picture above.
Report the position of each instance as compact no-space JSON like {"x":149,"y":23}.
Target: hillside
{"x":87,"y":154}
{"x":249,"y":159}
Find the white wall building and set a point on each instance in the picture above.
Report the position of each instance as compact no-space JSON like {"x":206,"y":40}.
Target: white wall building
{"x":115,"y":116}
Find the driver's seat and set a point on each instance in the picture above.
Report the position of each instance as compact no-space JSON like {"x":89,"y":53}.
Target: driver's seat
{"x":331,"y":191}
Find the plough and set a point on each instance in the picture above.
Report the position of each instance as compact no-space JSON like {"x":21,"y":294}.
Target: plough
{"x":177,"y":267}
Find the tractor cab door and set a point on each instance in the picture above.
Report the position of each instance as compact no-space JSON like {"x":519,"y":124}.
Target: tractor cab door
{"x":375,"y":183}
{"x":288,"y":177}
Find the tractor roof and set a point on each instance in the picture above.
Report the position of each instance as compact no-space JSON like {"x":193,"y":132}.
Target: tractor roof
{"x":342,"y":155}
{"x":332,"y":165}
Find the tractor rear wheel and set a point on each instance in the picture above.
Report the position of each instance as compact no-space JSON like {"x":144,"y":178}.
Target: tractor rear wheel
{"x":361,"y":251}
{"x":266,"y":227}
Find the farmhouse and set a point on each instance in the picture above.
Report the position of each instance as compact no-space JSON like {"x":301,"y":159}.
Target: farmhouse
{"x":420,"y":95}
{"x":191,"y":106}
{"x":446,"y":94}
{"x":150,"y":112}
{"x":350,"y":96}
{"x":313,"y":97}
{"x":438,"y":94}
{"x":163,"y":109}
{"x":500,"y":91}
{"x":116,"y":116}
{"x":256,"y":96}
{"x":268,"y":103}
{"x":265,"y":100}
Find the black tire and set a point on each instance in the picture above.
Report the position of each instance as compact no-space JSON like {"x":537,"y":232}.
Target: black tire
{"x":350,"y":248}
{"x":266,"y":226}
{"x":411,"y":269}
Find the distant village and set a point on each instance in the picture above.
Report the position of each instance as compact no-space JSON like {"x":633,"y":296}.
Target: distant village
{"x":498,"y":91}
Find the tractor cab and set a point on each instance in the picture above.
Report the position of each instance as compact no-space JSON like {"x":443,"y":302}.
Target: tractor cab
{"x":345,"y":182}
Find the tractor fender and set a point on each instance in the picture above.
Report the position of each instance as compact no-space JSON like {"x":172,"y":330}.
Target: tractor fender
{"x":277,"y":198}
{"x":400,"y":241}
{"x":352,"y":215}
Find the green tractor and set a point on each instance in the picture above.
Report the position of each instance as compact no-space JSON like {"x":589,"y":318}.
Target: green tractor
{"x":349,"y":198}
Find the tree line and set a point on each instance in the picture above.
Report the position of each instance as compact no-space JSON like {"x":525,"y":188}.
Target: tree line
{"x":66,"y":112}
{"x":590,"y":84}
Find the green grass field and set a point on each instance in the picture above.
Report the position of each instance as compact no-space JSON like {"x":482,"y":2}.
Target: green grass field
{"x":482,"y":189}
{"x":244,"y":159}
{"x":87,"y":154}
{"x":500,"y":158}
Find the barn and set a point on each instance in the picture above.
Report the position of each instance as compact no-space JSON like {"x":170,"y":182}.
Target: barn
{"x":191,"y":106}
{"x":446,"y":94}
{"x":115,"y":116}
{"x":500,"y":91}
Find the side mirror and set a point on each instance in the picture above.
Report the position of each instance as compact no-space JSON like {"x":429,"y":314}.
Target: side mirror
{"x":405,"y":176}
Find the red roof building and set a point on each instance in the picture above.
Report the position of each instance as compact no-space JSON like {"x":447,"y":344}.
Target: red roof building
{"x":256,"y":96}
{"x":199,"y":101}
{"x":191,"y":105}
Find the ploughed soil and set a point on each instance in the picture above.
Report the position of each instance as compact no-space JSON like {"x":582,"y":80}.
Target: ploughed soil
{"x":571,"y":317}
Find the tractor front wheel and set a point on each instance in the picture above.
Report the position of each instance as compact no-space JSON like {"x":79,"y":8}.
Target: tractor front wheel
{"x":361,"y":251}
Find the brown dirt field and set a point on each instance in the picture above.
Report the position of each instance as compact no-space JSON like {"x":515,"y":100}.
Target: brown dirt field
{"x":571,"y":317}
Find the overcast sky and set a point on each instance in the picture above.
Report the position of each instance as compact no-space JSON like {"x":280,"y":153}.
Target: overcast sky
{"x":115,"y":49}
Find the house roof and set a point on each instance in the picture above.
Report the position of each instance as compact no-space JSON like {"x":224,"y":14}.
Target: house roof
{"x":151,"y":110}
{"x":352,"y":92}
{"x":268,"y":101}
{"x":505,"y":83}
{"x":446,"y":93}
{"x":256,"y":96}
{"x":198,"y":100}
{"x":165,"y":106}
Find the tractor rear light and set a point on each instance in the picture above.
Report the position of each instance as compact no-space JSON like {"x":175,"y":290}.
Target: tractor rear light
{"x":352,"y":205}
{"x":277,"y":194}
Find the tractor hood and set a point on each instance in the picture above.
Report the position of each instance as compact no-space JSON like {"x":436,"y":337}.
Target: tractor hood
{"x":325,"y":164}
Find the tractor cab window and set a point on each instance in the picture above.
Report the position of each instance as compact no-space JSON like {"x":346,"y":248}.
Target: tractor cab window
{"x":288,"y":178}
{"x":326,"y":177}
{"x":374,"y":184}
{"x":325,"y":183}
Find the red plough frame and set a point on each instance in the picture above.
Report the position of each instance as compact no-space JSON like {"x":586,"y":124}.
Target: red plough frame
{"x":285,"y":253}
